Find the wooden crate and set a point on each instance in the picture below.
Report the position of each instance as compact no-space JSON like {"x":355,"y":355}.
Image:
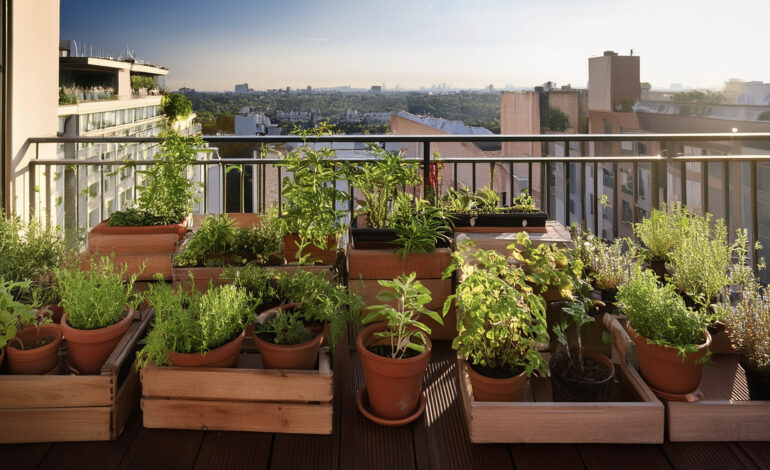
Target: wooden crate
{"x":722,"y":412}
{"x":634,"y":416}
{"x":246,"y":398}
{"x":68,"y":407}
{"x":366,"y":267}
{"x":555,"y":233}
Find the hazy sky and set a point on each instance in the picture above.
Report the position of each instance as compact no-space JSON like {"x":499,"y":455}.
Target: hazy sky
{"x":212,"y":45}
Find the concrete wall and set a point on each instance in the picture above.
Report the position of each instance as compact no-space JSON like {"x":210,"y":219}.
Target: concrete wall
{"x":520,"y":114}
{"x":612,"y":79}
{"x":33,"y":90}
{"x":569,"y":103}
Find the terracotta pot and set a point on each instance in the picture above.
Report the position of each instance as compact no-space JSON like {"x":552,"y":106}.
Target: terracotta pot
{"x":720,"y":339}
{"x":55,"y":312}
{"x":223,"y":356}
{"x":87,"y":350}
{"x":325,"y":256}
{"x":491,"y":389}
{"x":2,"y":356}
{"x":105,"y":228}
{"x":571,"y":389}
{"x":289,"y":356}
{"x":37,"y":360}
{"x":659,"y":268}
{"x":757,"y":380}
{"x":393,"y":385}
{"x":664,"y":369}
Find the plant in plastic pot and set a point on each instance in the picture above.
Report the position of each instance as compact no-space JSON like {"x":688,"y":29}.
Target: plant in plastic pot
{"x":672,"y":341}
{"x":32,"y":344}
{"x":748,"y":324}
{"x":98,"y":309}
{"x":283,"y":339}
{"x":196,"y":329}
{"x":483,"y":209}
{"x":395,"y":353}
{"x":579,"y":374}
{"x":501,"y":321}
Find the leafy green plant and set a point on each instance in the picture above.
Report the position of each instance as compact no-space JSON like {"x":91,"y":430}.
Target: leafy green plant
{"x":663,"y":231}
{"x":168,"y":197}
{"x":575,"y":313}
{"x":501,"y":318}
{"x":418,"y":225}
{"x":286,"y":326}
{"x":609,"y":264}
{"x":175,"y":106}
{"x":748,"y":322}
{"x":547,"y":265}
{"x":310,"y":194}
{"x":14,"y":315}
{"x":524,"y":202}
{"x":659,"y":314}
{"x":262,"y":241}
{"x":379,"y":181}
{"x":193,"y":323}
{"x":142,"y":81}
{"x":404,"y":330}
{"x":216,"y":236}
{"x":96,"y":298}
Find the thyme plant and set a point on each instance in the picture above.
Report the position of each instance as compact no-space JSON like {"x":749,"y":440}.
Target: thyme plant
{"x":749,"y":324}
{"x":663,"y":231}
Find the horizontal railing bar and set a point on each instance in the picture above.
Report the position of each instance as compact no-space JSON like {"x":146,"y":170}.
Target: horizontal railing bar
{"x":699,"y":137}
{"x":273,"y":161}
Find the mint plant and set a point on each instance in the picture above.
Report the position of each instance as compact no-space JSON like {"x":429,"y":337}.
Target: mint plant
{"x":14,"y":315}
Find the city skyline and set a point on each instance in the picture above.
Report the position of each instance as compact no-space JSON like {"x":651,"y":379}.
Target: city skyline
{"x":212,"y":46}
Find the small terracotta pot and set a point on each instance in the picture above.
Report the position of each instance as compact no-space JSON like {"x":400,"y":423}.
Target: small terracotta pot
{"x":720,"y":339}
{"x":491,"y":389}
{"x":325,"y":256}
{"x":289,"y":356}
{"x":37,"y":360}
{"x":223,"y":356}
{"x":393,"y":385}
{"x":567,"y":389}
{"x":87,"y":350}
{"x":664,"y":369}
{"x":757,"y":381}
{"x":54,"y":312}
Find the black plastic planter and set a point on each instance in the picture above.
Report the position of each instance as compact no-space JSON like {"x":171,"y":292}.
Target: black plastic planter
{"x":758,"y":382}
{"x":576,"y":389}
{"x":510,"y":219}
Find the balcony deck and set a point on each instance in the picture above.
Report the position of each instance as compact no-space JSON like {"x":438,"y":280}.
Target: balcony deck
{"x":438,"y":441}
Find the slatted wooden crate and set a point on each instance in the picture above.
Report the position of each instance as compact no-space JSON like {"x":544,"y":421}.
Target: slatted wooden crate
{"x":68,"y":407}
{"x":246,"y":398}
{"x":634,"y":415}
{"x":721,"y":409}
{"x":554,"y":233}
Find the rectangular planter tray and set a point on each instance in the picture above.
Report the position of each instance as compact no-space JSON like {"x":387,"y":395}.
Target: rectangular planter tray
{"x":636,"y":415}
{"x":520,"y":221}
{"x":65,"y":407}
{"x":246,"y":398}
{"x":724,"y":411}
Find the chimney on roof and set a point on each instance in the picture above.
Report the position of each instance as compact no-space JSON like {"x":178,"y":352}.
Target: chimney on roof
{"x":607,"y":53}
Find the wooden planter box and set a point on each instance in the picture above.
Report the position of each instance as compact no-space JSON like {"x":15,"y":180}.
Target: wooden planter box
{"x":241,"y":219}
{"x":634,"y":416}
{"x":366,"y":267}
{"x":145,"y":251}
{"x":499,"y":239}
{"x":723,"y":410}
{"x":67,"y":407}
{"x":246,"y":398}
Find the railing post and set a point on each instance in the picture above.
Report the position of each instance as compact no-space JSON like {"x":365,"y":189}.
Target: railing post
{"x":635,"y":183}
{"x":754,"y":219}
{"x":32,"y":182}
{"x":427,"y":192}
{"x":654,"y":184}
{"x":566,"y":167}
{"x":726,"y":192}
{"x":664,"y":164}
{"x":596,"y":199}
{"x":583,"y":222}
{"x":704,"y":188}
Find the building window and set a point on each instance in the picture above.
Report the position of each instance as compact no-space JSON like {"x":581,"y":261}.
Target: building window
{"x":626,"y":213}
{"x":626,"y":181}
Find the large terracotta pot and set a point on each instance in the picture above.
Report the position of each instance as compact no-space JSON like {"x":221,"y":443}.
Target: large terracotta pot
{"x":223,"y":356}
{"x":54,"y":312}
{"x":105,"y":228}
{"x":568,"y":388}
{"x":393,"y":385}
{"x":88,"y":349}
{"x":325,"y":256}
{"x":37,"y":360}
{"x":663,"y":368}
{"x":491,"y":389}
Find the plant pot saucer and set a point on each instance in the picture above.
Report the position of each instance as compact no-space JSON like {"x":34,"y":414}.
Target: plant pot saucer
{"x":362,"y":401}
{"x":697,"y":395}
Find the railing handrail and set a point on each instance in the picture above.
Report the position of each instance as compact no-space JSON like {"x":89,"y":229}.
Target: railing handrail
{"x":363,"y":138}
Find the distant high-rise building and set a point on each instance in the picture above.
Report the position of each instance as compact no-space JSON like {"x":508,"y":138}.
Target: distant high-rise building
{"x":242,"y":88}
{"x":376,"y":88}
{"x":613,"y":82}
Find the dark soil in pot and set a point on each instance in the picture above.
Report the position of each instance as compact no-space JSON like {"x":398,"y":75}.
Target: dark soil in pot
{"x":592,"y":384}
{"x":758,"y":381}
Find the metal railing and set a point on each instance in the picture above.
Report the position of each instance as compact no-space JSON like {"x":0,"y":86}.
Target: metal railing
{"x":569,"y":186}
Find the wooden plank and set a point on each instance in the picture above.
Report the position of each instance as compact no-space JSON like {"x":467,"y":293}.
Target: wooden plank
{"x":236,"y":384}
{"x":162,"y":449}
{"x":238,"y":416}
{"x":104,"y":244}
{"x":551,"y":422}
{"x":625,"y":456}
{"x":46,"y":391}
{"x":24,"y":456}
{"x":759,"y":452}
{"x":306,"y":452}
{"x":234,"y":450}
{"x":71,"y":424}
{"x":622,"y":343}
{"x":125,"y":403}
{"x":387,"y":264}
{"x":124,"y":350}
{"x":700,"y":455}
{"x":546,"y":457}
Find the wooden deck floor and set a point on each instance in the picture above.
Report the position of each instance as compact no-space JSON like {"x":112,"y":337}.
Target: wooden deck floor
{"x":437,"y":441}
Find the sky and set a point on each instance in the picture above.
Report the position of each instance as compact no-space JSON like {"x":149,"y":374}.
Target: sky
{"x":212,"y":45}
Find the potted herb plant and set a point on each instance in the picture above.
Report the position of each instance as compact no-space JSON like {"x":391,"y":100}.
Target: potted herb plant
{"x":395,"y":353}
{"x":672,"y":341}
{"x":197,"y":329}
{"x":162,"y":210}
{"x":748,"y":323}
{"x":310,"y":210}
{"x":283,"y":339}
{"x":501,"y":320}
{"x":482,"y":209}
{"x":547,"y":266}
{"x":609,"y":266}
{"x":98,"y":309}
{"x":32,"y":345}
{"x":579,"y":374}
{"x":661,"y":233}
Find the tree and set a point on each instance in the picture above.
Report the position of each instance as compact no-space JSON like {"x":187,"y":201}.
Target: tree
{"x":175,"y":106}
{"x":764,"y":116}
{"x":556,"y":119}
